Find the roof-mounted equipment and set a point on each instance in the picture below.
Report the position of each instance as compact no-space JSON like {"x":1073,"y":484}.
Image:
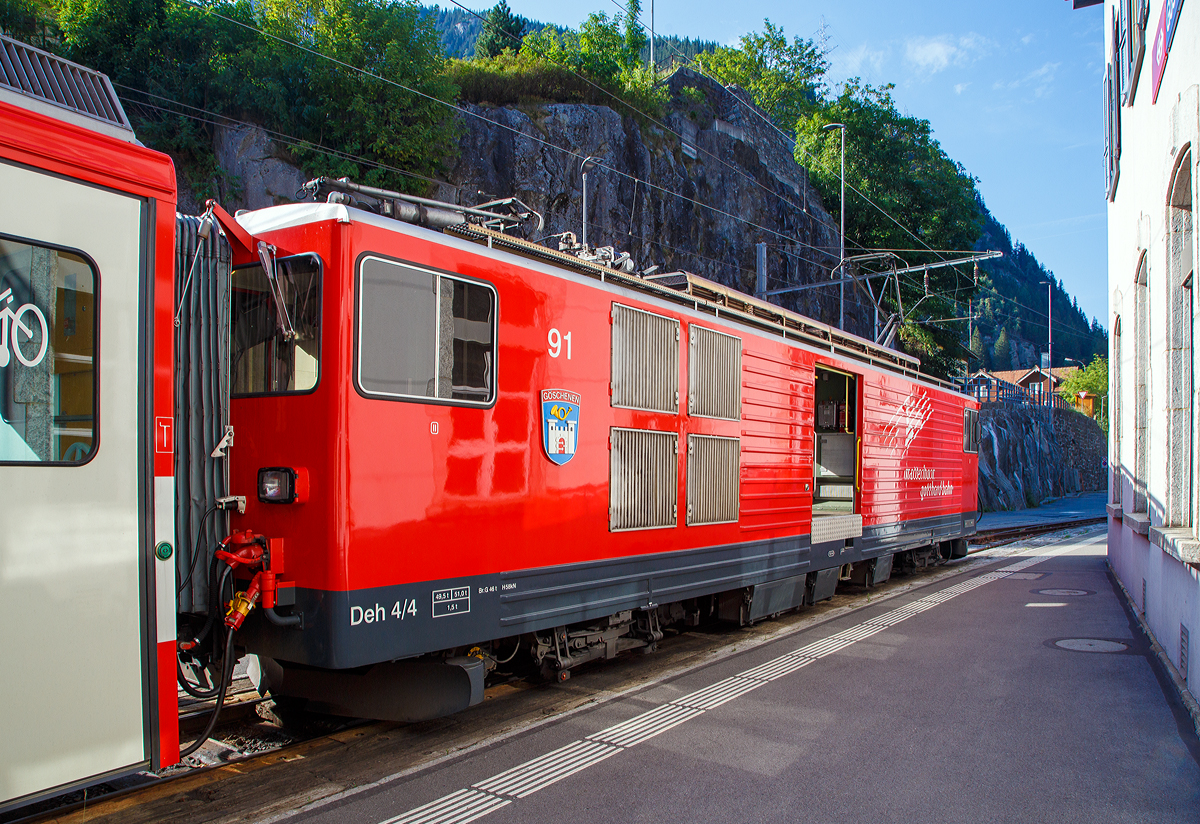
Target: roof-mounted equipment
{"x":420,"y":211}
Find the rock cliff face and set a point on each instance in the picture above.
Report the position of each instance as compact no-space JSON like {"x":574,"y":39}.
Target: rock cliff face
{"x":1022,"y":461}
{"x":697,"y":191}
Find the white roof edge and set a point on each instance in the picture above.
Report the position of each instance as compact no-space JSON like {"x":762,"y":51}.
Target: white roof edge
{"x":274,"y":218}
{"x":21,"y":100}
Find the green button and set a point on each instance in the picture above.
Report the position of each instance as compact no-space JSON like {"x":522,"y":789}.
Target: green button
{"x":163,"y":551}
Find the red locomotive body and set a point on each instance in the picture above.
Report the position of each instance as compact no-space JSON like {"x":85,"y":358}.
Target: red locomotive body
{"x":602,"y":444}
{"x":464,"y":446}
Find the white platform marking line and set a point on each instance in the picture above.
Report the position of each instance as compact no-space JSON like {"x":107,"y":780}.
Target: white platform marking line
{"x":664,"y":718}
{"x":719,"y":693}
{"x":525,"y":779}
{"x":539,"y":773}
{"x":461,"y":807}
{"x":778,"y":668}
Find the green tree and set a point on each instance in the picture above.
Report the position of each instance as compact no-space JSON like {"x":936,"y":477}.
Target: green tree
{"x":785,"y":79}
{"x":30,"y":21}
{"x":604,"y":52}
{"x":1092,"y":378}
{"x":635,"y":36}
{"x":1002,"y":352}
{"x":501,"y":30}
{"x":976,"y":349}
{"x":919,"y":198}
{"x":182,"y":53}
{"x":369,"y":113}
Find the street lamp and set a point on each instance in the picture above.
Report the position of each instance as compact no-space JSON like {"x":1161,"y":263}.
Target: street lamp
{"x":589,"y":163}
{"x":841,"y":127}
{"x":1050,"y":345}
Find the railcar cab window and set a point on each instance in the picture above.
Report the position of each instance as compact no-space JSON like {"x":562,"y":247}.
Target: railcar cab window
{"x":423,"y":334}
{"x":276,"y":327}
{"x":48,"y":342}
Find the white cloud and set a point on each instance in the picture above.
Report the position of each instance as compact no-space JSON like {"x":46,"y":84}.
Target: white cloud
{"x":859,"y":61}
{"x":930,"y":55}
{"x":959,"y":88}
{"x":1040,"y":80}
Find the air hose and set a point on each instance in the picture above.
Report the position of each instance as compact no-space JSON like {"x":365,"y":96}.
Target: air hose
{"x":226,"y":678}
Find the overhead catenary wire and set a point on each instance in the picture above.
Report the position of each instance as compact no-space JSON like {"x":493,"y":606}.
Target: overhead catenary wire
{"x":532,"y":138}
{"x":795,"y":144}
{"x":365,"y":161}
{"x":666,"y":128}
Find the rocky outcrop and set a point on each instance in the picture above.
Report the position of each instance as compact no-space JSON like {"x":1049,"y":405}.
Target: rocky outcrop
{"x":697,"y":191}
{"x":1023,"y":461}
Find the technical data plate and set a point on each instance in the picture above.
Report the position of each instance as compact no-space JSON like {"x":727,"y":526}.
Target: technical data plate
{"x":835,"y":527}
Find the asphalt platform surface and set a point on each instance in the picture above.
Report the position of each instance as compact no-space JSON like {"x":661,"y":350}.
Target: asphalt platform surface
{"x":1021,"y":690}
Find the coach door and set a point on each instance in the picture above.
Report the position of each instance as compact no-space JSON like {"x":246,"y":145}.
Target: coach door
{"x":835,"y":441}
{"x":836,"y":518}
{"x":73,"y":655}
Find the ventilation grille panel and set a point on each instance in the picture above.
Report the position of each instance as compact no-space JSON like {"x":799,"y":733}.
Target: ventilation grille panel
{"x":38,"y":74}
{"x":645,"y":360}
{"x":712,"y":479}
{"x":643,"y":483}
{"x":714,"y":374}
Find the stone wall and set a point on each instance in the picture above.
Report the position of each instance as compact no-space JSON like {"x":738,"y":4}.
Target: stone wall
{"x":1023,"y":461}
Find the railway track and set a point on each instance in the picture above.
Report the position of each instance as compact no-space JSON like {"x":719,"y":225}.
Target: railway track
{"x":988,"y":538}
{"x":247,"y":743}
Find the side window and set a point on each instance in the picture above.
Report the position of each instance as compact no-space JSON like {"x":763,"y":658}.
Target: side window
{"x":422,"y":334}
{"x":48,"y":342}
{"x":971,"y":431}
{"x":276,"y":327}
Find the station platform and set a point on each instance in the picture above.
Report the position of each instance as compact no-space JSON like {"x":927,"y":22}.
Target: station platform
{"x":1072,"y":508}
{"x":1022,"y":689}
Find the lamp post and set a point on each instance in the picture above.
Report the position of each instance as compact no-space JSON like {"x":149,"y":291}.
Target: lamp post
{"x":588,"y":164}
{"x":1050,"y":345}
{"x":841,"y":127}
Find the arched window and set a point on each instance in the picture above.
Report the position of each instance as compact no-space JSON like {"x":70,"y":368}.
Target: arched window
{"x":1141,"y":371}
{"x":1178,"y":502}
{"x":1114,"y":395}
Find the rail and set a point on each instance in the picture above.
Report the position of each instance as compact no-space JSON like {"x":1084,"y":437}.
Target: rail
{"x":988,"y":538}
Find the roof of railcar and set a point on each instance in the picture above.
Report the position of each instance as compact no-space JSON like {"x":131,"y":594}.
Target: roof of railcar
{"x":688,"y":289}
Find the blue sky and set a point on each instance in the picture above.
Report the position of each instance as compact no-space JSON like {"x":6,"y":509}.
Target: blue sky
{"x":1011,"y":89}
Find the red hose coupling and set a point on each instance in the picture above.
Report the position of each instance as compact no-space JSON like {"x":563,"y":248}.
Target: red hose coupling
{"x":243,"y":549}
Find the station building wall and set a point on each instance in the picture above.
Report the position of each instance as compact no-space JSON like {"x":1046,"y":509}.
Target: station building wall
{"x":1152,"y":148}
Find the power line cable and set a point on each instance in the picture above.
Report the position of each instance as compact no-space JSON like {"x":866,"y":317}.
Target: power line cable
{"x":651,"y":118}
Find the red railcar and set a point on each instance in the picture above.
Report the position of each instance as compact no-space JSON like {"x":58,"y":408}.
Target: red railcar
{"x":497,"y":440}
{"x":457,"y":447}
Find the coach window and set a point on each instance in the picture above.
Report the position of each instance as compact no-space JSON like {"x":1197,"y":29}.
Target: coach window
{"x":275,"y":327}
{"x":47,"y":350}
{"x":423,"y":334}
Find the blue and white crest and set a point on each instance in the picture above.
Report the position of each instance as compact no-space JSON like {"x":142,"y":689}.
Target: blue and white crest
{"x":560,"y":424}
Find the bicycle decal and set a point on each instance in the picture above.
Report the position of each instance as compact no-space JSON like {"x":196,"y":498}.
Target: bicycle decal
{"x":10,"y":327}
